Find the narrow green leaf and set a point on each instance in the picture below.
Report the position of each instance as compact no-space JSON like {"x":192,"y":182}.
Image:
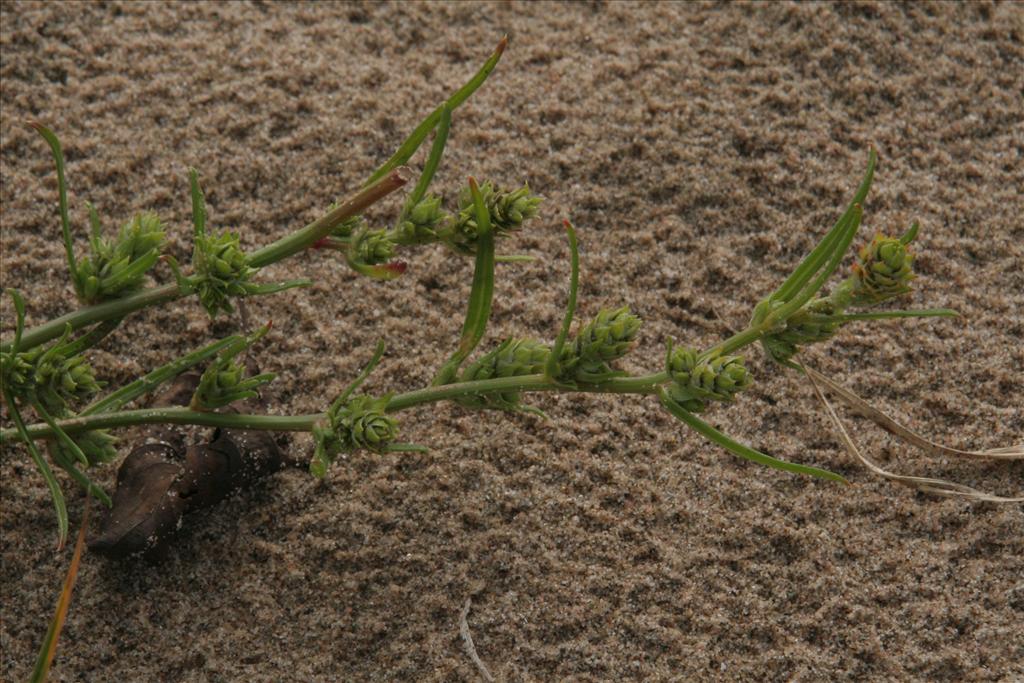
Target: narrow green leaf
{"x":821,"y":253}
{"x":61,"y":435}
{"x":91,"y":338}
{"x":478,"y":312}
{"x":155,"y":378}
{"x":198,"y":204}
{"x":416,"y":138}
{"x":551,"y":369}
{"x":910,"y":234}
{"x":818,"y":281}
{"x":82,"y":479}
{"x":51,"y":481}
{"x":58,"y":158}
{"x":135,"y":270}
{"x":360,"y":378}
{"x":433,"y":161}
{"x":96,"y":231}
{"x":19,"y":324}
{"x":253,"y":289}
{"x":717,"y":437}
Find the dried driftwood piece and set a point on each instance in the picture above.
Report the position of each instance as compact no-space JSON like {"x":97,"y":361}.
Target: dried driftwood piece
{"x":162,"y":480}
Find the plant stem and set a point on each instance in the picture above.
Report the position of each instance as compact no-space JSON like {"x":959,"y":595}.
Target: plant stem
{"x":279,"y":250}
{"x":118,"y":308}
{"x":643,"y":384}
{"x":320,"y":228}
{"x":304,"y":423}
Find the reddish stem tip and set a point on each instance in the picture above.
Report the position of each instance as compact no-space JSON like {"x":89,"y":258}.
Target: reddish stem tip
{"x":502,"y":44}
{"x":398,"y":267}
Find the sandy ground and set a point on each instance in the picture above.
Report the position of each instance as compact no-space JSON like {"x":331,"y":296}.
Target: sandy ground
{"x":700,"y":150}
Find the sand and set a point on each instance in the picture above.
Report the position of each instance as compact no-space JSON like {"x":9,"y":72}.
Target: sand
{"x":700,"y":150}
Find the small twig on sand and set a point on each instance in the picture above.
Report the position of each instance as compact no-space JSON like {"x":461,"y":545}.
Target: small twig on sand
{"x":467,"y":640}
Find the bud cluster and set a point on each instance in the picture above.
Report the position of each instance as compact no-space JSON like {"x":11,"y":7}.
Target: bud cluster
{"x":374,"y":247}
{"x":348,"y":227}
{"x":609,"y":336}
{"x":114,"y":268}
{"x":360,"y":423}
{"x":696,"y":381}
{"x":49,"y":376}
{"x":420,"y":223}
{"x":222,"y":271}
{"x":812,"y":323}
{"x":512,"y":358}
{"x":883,"y":270}
{"x":226,"y":381}
{"x":508,"y":210}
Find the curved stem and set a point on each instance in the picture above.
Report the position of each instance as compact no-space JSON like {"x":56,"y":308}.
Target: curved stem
{"x":181,"y":416}
{"x":118,"y":308}
{"x":157,"y":296}
{"x":303,"y":423}
{"x":321,"y":227}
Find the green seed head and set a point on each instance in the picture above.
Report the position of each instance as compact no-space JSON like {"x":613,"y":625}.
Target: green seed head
{"x":222,"y":269}
{"x":512,"y":358}
{"x":421,"y":223}
{"x":508,"y":211}
{"x":359,"y":423}
{"x":609,"y":336}
{"x":884,"y":269}
{"x":376,"y":247}
{"x":694,"y":381}
{"x":807,"y":326}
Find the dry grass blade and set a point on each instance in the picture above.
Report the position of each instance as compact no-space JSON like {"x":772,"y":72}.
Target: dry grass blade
{"x":49,"y":649}
{"x":893,"y":427}
{"x":938,"y":487}
{"x":467,"y":640}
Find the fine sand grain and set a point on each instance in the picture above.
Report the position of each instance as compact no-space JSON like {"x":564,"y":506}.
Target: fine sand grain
{"x":700,"y":150}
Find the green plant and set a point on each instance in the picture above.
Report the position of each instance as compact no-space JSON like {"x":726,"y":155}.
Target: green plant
{"x":54,"y":378}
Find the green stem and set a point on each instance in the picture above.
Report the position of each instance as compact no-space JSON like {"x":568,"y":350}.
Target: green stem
{"x":320,"y":228}
{"x":737,"y":341}
{"x":180,"y":416}
{"x":299,"y":423}
{"x":157,"y":296}
{"x":118,"y":308}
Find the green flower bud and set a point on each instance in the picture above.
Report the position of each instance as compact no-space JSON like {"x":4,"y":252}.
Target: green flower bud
{"x":694,"y":381}
{"x":512,"y":358}
{"x":609,"y":336}
{"x":680,"y":364}
{"x":348,"y":227}
{"x":720,"y":378}
{"x":808,"y":325}
{"x":223,"y":271}
{"x":361,"y":422}
{"x":376,"y":247}
{"x":884,"y":269}
{"x":373,"y":431}
{"x":113,"y":269}
{"x":507,"y":210}
{"x":421,"y":222}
